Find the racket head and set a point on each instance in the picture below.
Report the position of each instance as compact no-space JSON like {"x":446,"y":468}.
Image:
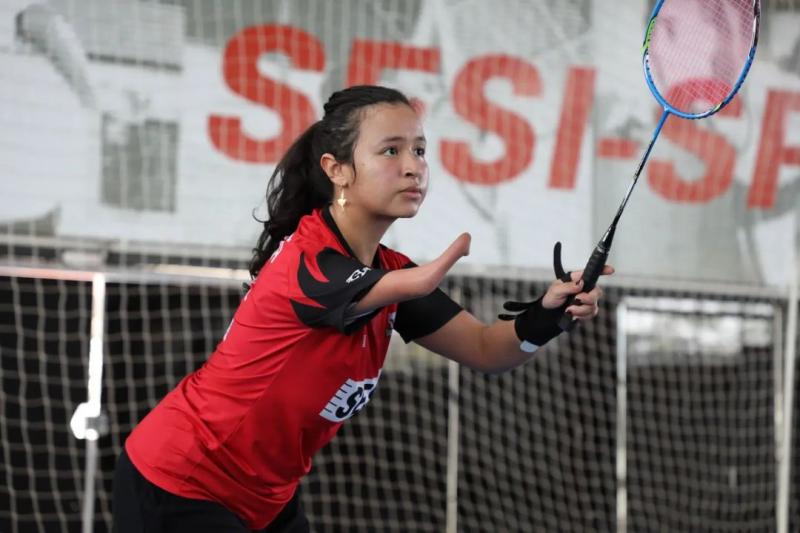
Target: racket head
{"x":697,"y":53}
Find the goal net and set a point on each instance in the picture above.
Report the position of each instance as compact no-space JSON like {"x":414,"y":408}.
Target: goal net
{"x":691,"y":419}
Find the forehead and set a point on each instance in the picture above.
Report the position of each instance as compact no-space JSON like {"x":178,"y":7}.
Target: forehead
{"x":389,"y":120}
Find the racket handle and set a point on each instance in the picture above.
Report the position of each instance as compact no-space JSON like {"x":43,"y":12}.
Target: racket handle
{"x":591,"y":272}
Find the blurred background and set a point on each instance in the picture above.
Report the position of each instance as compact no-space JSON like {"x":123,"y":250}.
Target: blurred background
{"x":136,"y":141}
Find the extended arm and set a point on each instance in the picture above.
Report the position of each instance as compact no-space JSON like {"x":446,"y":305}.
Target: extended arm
{"x":409,"y":283}
{"x":497,"y":347}
{"x":465,"y":339}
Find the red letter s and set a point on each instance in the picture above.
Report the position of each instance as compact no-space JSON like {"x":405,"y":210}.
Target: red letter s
{"x":471,"y":104}
{"x":240,"y":73}
{"x":718,"y":154}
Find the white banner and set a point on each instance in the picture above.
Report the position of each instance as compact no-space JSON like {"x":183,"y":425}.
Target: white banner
{"x":136,"y":121}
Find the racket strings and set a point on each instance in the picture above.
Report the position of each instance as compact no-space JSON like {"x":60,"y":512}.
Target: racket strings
{"x":698,"y":49}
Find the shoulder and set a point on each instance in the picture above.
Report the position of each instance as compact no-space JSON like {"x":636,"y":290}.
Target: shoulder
{"x":313,"y":235}
{"x":311,"y":238}
{"x":392,"y":259}
{"x":308,"y":240}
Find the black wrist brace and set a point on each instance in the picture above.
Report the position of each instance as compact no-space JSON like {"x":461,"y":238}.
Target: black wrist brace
{"x":533,"y":324}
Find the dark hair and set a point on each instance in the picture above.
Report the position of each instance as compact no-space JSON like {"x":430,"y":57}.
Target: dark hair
{"x":299,"y":185}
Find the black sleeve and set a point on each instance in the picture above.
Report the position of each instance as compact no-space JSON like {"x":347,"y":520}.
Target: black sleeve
{"x":347,"y":281}
{"x":422,"y":316}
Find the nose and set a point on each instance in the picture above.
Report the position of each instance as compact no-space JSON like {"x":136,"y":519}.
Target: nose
{"x":413,"y":166}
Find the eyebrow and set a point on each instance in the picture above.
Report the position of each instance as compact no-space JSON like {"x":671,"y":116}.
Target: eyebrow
{"x":400,"y":138}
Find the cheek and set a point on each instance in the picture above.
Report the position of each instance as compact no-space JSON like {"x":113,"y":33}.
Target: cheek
{"x":373,"y":179}
{"x":378,"y":173}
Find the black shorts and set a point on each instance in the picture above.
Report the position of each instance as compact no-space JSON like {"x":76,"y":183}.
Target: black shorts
{"x":141,"y":507}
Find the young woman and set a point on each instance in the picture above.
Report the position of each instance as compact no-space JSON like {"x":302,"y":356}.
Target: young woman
{"x":226,"y":449}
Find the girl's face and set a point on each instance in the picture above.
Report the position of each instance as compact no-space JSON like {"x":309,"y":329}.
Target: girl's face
{"x":391,"y":173}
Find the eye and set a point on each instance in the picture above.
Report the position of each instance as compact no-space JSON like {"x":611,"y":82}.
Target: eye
{"x":419,"y":151}
{"x":391,"y":150}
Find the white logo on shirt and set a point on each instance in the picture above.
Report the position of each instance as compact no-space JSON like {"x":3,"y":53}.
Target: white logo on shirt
{"x":360,"y":273}
{"x":351,"y":397}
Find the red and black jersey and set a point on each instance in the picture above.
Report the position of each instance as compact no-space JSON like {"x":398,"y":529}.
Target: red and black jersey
{"x":293,"y":365}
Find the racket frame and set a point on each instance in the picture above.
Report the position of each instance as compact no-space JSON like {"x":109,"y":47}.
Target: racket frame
{"x":648,"y":76}
{"x":597,"y":260}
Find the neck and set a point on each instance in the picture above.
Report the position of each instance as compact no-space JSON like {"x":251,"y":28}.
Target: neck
{"x":362,"y":232}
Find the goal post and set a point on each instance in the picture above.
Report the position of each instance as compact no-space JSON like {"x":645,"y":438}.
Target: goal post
{"x":700,"y":388}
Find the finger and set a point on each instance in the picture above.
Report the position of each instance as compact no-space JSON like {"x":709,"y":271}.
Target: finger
{"x":583,"y":311}
{"x":560,"y":289}
{"x":585,"y":303}
{"x":585,"y":298}
{"x":559,"y":292}
{"x":591,"y":297}
{"x":598,"y":294}
{"x":577,"y":274}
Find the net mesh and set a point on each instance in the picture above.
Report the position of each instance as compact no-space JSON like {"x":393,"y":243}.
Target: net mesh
{"x":44,"y":341}
{"x":702,"y":381}
{"x":698,"y":49}
{"x":537,"y":446}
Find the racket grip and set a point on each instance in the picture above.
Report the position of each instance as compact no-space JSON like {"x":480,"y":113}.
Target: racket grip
{"x":591,"y":272}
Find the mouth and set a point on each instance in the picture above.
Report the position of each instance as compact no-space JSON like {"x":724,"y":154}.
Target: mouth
{"x":413,"y":194}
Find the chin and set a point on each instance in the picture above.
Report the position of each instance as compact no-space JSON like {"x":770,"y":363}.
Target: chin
{"x":408,"y":212}
{"x":400,"y":214}
{"x":406,"y":209}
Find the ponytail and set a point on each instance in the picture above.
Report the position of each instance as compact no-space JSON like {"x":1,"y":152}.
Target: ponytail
{"x":288,"y":200}
{"x":299,"y":185}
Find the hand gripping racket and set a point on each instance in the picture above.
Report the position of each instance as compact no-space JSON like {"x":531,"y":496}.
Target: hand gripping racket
{"x":696,"y":55}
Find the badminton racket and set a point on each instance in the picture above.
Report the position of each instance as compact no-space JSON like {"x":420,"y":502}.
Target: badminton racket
{"x":696,"y":55}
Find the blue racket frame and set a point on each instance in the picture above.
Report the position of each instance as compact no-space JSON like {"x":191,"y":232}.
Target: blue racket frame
{"x":648,"y":76}
{"x":594,"y":266}
{"x":670,"y":110}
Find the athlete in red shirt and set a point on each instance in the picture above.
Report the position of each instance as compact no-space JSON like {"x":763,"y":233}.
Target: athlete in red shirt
{"x":226,"y":449}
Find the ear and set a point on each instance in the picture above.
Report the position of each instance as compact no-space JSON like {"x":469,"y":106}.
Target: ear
{"x":338,"y":172}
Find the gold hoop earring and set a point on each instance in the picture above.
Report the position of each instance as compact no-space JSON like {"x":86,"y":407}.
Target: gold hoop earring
{"x":342,"y":201}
